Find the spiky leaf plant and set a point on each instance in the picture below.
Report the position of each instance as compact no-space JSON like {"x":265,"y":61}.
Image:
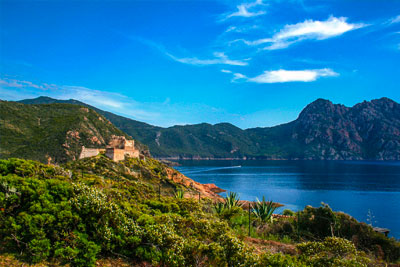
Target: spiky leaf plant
{"x":263,"y":210}
{"x":232,"y":200}
{"x":180,"y":194}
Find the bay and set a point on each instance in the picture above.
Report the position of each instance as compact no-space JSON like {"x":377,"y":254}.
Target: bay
{"x":354,"y":187}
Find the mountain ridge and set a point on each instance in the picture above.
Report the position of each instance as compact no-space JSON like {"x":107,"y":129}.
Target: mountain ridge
{"x":323,"y":131}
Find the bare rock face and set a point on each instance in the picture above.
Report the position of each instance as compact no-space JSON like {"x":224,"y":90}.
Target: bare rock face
{"x":369,"y":130}
{"x":205,"y":190}
{"x":213,"y":188}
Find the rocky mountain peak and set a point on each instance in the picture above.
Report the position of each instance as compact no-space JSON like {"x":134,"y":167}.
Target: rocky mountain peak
{"x":321,"y":108}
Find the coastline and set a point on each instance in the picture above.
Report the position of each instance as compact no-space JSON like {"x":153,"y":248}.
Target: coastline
{"x":269,"y":159}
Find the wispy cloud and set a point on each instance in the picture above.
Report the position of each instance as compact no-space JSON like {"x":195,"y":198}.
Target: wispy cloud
{"x":307,"y":30}
{"x":394,"y":20}
{"x":102,"y":99}
{"x":243,"y":10}
{"x":164,"y":113}
{"x":226,"y":71}
{"x":238,"y":76}
{"x":6,"y":82}
{"x":241,"y":28}
{"x":283,"y":76}
{"x":219,"y":59}
{"x":91,"y":96}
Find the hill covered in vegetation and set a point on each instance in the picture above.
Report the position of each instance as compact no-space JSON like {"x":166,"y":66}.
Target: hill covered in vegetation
{"x":52,"y":132}
{"x":95,"y":210}
{"x":323,"y":130}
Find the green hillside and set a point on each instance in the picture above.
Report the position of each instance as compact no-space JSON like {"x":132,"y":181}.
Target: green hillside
{"x":56,"y":131}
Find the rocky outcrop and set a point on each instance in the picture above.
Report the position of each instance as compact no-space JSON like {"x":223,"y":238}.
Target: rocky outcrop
{"x":206,"y":190}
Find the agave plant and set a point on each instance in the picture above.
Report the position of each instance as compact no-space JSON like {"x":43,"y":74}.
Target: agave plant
{"x":179,"y":194}
{"x":232,"y":200}
{"x":264,"y":210}
{"x":219,"y":207}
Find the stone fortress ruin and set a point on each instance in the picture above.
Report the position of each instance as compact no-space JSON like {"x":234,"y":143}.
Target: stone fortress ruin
{"x":118,"y":148}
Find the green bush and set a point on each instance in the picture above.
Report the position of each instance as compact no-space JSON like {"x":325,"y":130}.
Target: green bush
{"x":333,"y":251}
{"x":318,"y":222}
{"x":288,"y":212}
{"x":80,"y":252}
{"x":280,"y":260}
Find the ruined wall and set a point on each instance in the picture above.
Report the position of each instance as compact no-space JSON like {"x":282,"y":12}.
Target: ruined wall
{"x":89,"y":152}
{"x":116,"y":150}
{"x":117,"y":154}
{"x":118,"y":142}
{"x":129,"y":144}
{"x":134,"y":154}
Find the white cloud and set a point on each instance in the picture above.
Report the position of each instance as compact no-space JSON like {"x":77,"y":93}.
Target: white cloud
{"x":242,"y":28}
{"x":226,"y":71}
{"x":243,"y":10}
{"x":307,"y":30}
{"x":238,"y":76}
{"x":220,"y":59}
{"x":17,"y":89}
{"x":231,"y":29}
{"x":6,"y":82}
{"x":282,"y":76}
{"x":394,"y":20}
{"x":91,"y":96}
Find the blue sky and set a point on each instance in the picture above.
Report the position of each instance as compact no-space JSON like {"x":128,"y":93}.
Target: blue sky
{"x":250,"y":63}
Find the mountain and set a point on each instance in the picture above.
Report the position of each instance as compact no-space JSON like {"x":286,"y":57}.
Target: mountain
{"x":203,"y":140}
{"x":54,"y":132}
{"x":143,"y":132}
{"x":323,"y":131}
{"x":369,"y":130}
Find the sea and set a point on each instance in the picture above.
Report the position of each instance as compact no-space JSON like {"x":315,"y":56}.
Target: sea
{"x":367,"y":190}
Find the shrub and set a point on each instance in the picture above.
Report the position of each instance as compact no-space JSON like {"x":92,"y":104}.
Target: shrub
{"x":333,"y":251}
{"x":280,"y":260}
{"x":318,"y":222}
{"x":288,"y":212}
{"x":80,"y":252}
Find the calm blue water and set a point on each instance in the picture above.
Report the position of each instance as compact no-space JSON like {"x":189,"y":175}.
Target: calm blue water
{"x":348,"y":186}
